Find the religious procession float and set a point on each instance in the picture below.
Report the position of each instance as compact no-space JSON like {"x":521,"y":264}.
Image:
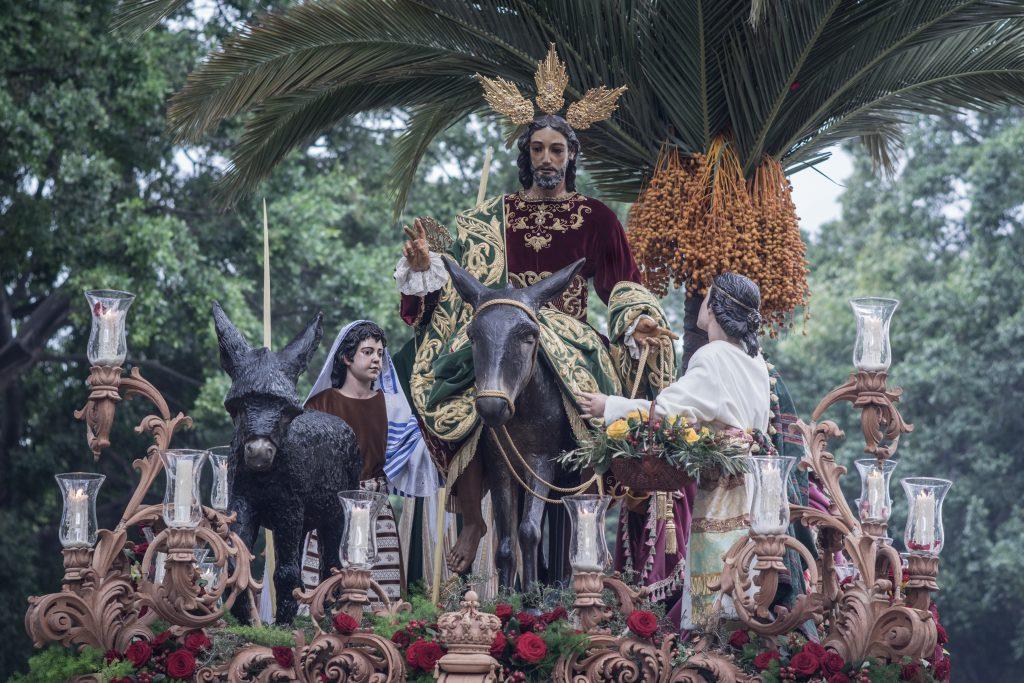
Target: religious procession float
{"x":736,"y":556}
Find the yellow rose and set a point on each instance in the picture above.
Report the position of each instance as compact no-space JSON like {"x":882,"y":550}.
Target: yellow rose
{"x":704,"y":431}
{"x":618,"y":429}
{"x":690,"y":435}
{"x":641,"y":415}
{"x":672,"y":419}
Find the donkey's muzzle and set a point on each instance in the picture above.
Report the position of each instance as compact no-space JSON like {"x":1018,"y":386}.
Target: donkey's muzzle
{"x":494,"y":410}
{"x":259,"y":454}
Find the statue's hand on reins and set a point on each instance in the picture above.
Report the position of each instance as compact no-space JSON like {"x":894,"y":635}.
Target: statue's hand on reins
{"x":591,"y":405}
{"x":652,"y":334}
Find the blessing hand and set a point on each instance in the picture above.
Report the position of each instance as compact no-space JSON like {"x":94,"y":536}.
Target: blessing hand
{"x":592,"y":405}
{"x":415,"y":250}
{"x":649,"y":332}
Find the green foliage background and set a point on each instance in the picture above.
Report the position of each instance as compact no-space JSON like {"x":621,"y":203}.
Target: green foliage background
{"x":92,"y":194}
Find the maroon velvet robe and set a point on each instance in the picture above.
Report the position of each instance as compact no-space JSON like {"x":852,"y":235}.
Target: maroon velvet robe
{"x":545,"y":235}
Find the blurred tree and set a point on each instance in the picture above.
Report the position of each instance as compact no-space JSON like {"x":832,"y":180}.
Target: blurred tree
{"x":946,"y":237}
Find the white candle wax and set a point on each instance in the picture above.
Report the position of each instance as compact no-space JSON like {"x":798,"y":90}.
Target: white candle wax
{"x":219,"y":498}
{"x":183,"y":482}
{"x":767,"y":519}
{"x":871,"y":359}
{"x":359,"y":536}
{"x":586,"y":542}
{"x":78,"y":517}
{"x":108,"y":338}
{"x":160,"y":567}
{"x":876,"y":495}
{"x":924,"y":520}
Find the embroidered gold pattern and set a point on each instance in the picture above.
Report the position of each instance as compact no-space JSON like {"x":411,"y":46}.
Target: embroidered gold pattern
{"x":573,"y":300}
{"x":540,"y":218}
{"x":718,"y":526}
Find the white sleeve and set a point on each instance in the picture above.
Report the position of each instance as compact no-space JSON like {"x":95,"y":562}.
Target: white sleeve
{"x":697,"y":394}
{"x":620,"y":406}
{"x":420,"y":282}
{"x":628,"y":340}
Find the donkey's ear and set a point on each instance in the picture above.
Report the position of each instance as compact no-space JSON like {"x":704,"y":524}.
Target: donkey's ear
{"x":554,"y":284}
{"x":233,"y":347}
{"x":468,"y":287}
{"x":295,"y":357}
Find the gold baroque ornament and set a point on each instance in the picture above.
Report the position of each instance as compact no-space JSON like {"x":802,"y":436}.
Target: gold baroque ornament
{"x":551,"y":78}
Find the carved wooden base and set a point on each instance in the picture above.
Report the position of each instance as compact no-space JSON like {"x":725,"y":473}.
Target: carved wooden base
{"x":922,"y":571}
{"x":875,"y":529}
{"x":589,"y":606}
{"x":468,"y":634}
{"x":348,"y":590}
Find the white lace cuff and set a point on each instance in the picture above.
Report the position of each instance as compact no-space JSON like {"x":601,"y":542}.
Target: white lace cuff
{"x":627,"y":338}
{"x":420,"y":282}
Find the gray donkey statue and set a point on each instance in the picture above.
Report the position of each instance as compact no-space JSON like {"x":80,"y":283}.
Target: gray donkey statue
{"x":524,"y":397}
{"x":287,"y":464}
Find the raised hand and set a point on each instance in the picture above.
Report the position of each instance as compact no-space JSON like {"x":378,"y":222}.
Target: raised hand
{"x":415,"y":250}
{"x":649,"y":332}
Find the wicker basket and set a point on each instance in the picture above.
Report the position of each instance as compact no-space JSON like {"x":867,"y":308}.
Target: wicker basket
{"x":649,"y":473}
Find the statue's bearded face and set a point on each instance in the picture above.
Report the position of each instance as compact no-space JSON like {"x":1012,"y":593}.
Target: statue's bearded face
{"x":549,"y":157}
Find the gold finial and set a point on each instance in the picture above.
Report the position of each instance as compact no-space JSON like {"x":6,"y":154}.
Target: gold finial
{"x":551,"y":79}
{"x":505,"y":98}
{"x":596,"y":105}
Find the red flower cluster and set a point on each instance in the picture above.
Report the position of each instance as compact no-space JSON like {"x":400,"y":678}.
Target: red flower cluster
{"x":423,"y":655}
{"x":344,"y":624}
{"x":531,"y":648}
{"x":642,"y":623}
{"x":165,"y":655}
{"x":522,"y":643}
{"x":284,"y":656}
{"x":811,"y":661}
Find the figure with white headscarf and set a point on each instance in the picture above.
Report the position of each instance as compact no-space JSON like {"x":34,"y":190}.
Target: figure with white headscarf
{"x":358,"y":383}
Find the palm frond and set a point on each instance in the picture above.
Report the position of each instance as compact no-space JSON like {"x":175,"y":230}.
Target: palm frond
{"x":135,"y":17}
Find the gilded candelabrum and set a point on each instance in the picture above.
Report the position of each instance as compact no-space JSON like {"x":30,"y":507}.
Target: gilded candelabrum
{"x":868,"y":616}
{"x":99,"y":605}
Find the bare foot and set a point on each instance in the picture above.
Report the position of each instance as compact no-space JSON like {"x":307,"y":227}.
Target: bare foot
{"x":461,"y":557}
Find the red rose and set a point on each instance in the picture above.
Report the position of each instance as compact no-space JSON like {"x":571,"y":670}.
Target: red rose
{"x":940,"y":631}
{"x":344,"y":624}
{"x":401,"y":638}
{"x":283,"y":656}
{"x":839,"y":678}
{"x":503,"y":612}
{"x":764,"y":659}
{"x":111,"y":656}
{"x":642,"y":623}
{"x":832,"y":663}
{"x":498,"y":645}
{"x":815,"y":649}
{"x":526,"y":621}
{"x":555,"y":614}
{"x":423,"y":655}
{"x":804,"y":663}
{"x":197,"y":641}
{"x":138,"y":653}
{"x":942,"y":669}
{"x":181,"y":664}
{"x":909,"y":672}
{"x":122,"y":679}
{"x":739,"y":638}
{"x":530,"y":648}
{"x":162,"y":638}
{"x":140,"y":549}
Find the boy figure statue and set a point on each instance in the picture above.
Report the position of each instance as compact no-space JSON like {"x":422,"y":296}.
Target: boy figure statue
{"x":358,"y":383}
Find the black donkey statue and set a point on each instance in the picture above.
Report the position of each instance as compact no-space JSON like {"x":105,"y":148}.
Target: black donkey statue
{"x":287,"y":464}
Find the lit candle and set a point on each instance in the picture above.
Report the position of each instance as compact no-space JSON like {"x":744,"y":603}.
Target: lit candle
{"x":107,"y":339}
{"x":586,"y":542}
{"x":876,"y":495}
{"x":771,"y":498}
{"x":872,"y":356}
{"x":78,"y":517}
{"x":924,"y":520}
{"x":359,"y":536}
{"x":183,"y":483}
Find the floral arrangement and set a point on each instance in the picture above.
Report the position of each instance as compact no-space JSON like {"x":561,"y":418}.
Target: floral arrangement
{"x":528,"y":644}
{"x":164,"y":658}
{"x":795,"y":658}
{"x":690,"y":447}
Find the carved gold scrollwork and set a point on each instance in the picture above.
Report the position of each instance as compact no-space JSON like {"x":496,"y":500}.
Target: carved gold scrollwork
{"x":347,"y":590}
{"x":589,"y":605}
{"x":880,"y":421}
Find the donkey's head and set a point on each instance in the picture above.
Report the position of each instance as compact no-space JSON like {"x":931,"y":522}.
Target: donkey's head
{"x":505,"y":336}
{"x":262,"y":400}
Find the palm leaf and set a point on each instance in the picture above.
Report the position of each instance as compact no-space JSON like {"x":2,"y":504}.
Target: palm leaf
{"x":135,"y":17}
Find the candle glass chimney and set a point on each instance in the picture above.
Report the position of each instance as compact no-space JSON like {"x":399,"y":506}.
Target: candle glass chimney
{"x":588,"y":547}
{"x":78,"y":521}
{"x":107,"y":344}
{"x":359,"y":539}
{"x":182,"y":506}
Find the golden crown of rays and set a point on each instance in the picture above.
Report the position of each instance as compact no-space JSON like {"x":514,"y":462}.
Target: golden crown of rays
{"x":551,"y":79}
